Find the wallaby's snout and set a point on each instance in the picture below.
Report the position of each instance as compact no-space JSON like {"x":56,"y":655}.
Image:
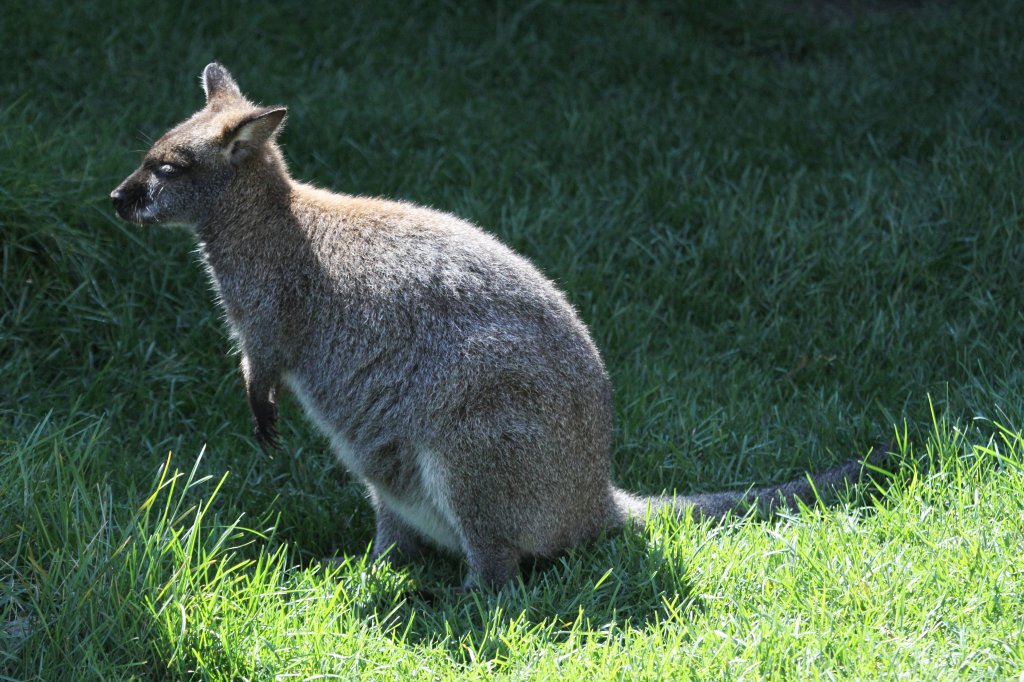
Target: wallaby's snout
{"x":133,"y":200}
{"x":126,"y":200}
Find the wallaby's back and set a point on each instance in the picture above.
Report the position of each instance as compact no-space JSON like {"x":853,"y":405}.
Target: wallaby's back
{"x":453,"y":379}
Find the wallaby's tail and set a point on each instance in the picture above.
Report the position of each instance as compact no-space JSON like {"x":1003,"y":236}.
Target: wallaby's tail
{"x":826,"y":484}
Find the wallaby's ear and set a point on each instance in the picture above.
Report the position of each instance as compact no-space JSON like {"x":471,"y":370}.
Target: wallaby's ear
{"x":219,"y":85}
{"x":252,"y":132}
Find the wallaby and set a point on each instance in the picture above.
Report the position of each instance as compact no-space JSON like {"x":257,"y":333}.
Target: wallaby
{"x":452,"y":378}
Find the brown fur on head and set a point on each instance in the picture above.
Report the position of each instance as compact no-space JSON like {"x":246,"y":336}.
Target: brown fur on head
{"x":186,"y":172}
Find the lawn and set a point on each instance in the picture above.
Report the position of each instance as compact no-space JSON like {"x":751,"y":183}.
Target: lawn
{"x":792,"y":227}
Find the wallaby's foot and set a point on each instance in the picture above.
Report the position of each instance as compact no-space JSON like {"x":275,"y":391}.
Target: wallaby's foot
{"x":396,"y":555}
{"x":332,"y":561}
{"x":880,"y":457}
{"x":491,"y":565}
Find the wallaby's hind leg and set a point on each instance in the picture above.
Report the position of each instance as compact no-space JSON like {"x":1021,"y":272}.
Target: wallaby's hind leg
{"x":514,"y":490}
{"x":395,"y":540}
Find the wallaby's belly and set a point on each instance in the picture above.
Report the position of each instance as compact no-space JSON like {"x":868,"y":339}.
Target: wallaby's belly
{"x":420,"y":497}
{"x":426,"y":512}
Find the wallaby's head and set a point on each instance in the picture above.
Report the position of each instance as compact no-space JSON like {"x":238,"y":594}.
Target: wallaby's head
{"x":187,"y":172}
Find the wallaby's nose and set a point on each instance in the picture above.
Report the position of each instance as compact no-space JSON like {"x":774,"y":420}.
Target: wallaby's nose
{"x":120,"y":200}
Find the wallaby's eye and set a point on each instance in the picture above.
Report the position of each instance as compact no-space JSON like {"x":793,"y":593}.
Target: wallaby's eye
{"x":167,"y":170}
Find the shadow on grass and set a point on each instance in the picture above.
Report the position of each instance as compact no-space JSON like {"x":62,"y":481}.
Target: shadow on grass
{"x":600,"y":589}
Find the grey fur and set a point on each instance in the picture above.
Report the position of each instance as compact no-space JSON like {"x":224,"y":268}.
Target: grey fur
{"x":453,"y":379}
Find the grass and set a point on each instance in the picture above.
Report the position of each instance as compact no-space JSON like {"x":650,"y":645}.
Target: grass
{"x":793,"y":230}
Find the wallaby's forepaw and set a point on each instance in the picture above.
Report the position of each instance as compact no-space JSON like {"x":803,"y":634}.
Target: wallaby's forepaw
{"x":267,"y":437}
{"x":264,"y":420}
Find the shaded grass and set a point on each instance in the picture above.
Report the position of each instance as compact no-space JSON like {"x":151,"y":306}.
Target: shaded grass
{"x":790,"y":236}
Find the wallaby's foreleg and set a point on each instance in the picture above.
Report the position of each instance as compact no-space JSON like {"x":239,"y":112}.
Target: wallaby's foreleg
{"x":260,"y":389}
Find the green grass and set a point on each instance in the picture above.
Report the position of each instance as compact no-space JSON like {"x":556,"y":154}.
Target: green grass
{"x":795,"y":233}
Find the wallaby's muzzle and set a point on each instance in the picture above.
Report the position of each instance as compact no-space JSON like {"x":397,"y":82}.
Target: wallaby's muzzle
{"x":130,"y":201}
